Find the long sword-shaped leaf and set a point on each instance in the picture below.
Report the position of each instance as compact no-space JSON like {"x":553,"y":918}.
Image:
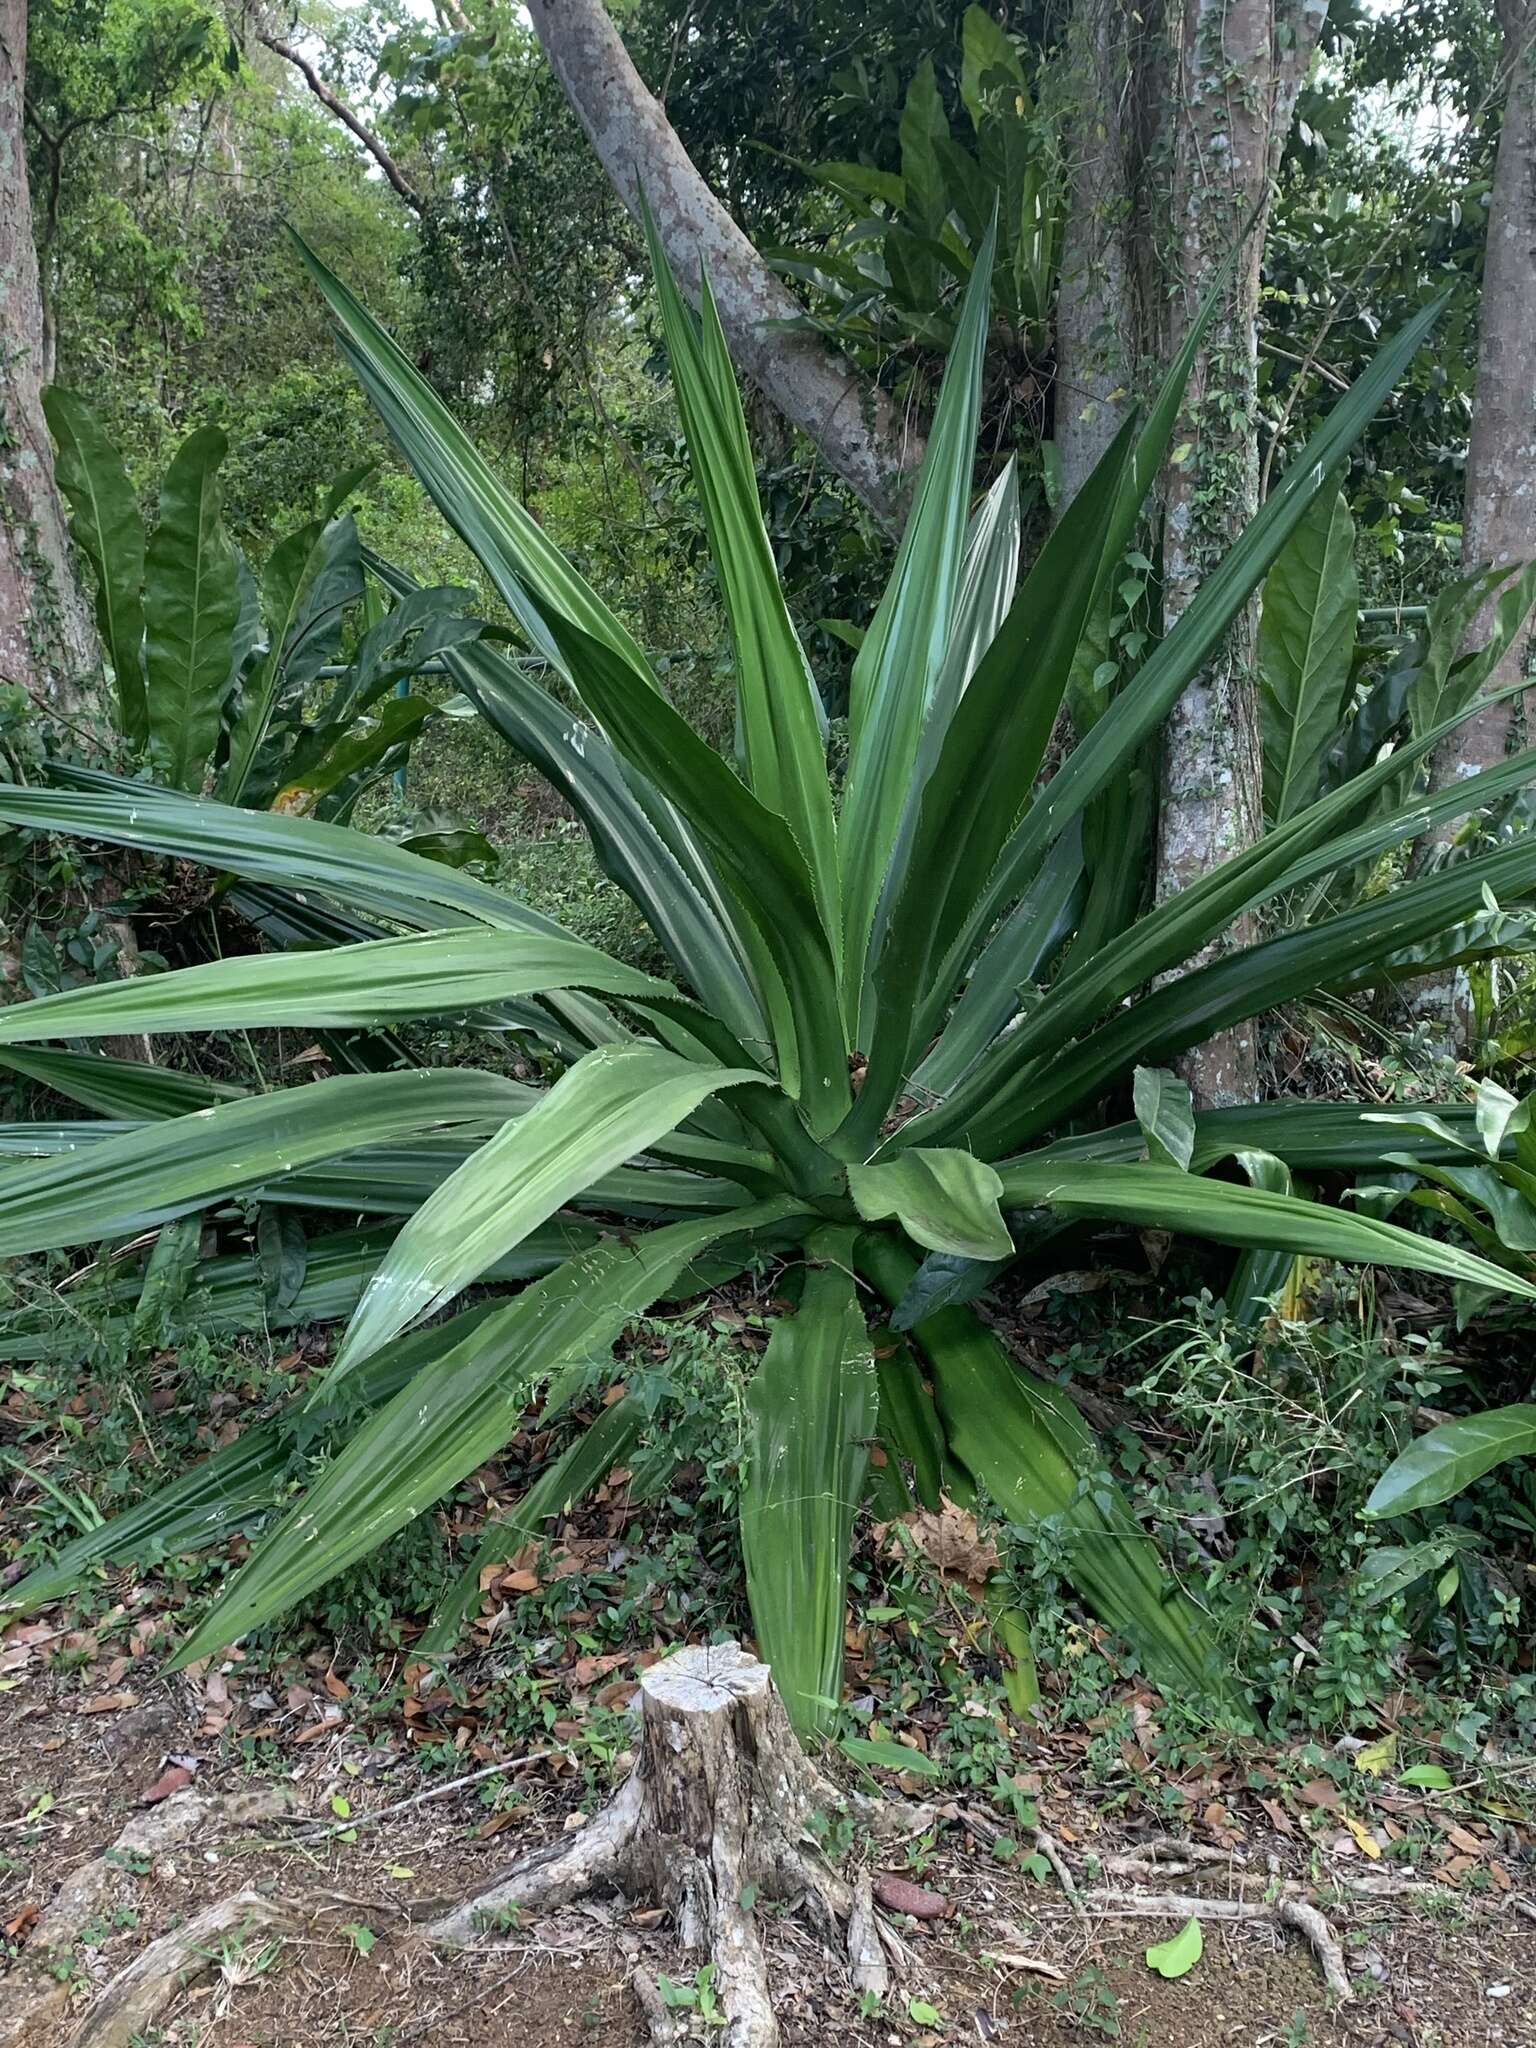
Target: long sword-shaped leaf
{"x":148,"y":1176}
{"x":532,"y":577}
{"x":1163,"y":1198}
{"x":238,"y":1485}
{"x":664,"y":873}
{"x":903,"y":653}
{"x":427,"y":974}
{"x":1004,"y":1103}
{"x":988,"y":579}
{"x":294,"y":854}
{"x":606,"y":1442}
{"x":986,"y":763}
{"x":1304,"y":848}
{"x":1118,"y":736}
{"x":120,"y":1088}
{"x":1314,"y":1136}
{"x":611,"y":1105}
{"x":191,"y":606}
{"x":754,"y":851}
{"x":109,"y":531}
{"x":1022,"y":1439}
{"x":456,"y":1412}
{"x":812,"y":1406}
{"x":782,"y":723}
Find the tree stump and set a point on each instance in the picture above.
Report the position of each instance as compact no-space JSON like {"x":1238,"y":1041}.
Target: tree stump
{"x":712,"y":1818}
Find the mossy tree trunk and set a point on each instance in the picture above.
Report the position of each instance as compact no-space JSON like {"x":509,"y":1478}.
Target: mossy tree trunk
{"x":47,"y":639}
{"x":1181,"y":116}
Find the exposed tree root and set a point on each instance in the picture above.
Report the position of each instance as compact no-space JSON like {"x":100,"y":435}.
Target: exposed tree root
{"x":37,"y":1990}
{"x":135,"y":1999}
{"x":1293,"y":1913}
{"x":712,"y":1819}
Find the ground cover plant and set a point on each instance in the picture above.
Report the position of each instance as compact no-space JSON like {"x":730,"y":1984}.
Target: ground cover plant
{"x":887,"y":998}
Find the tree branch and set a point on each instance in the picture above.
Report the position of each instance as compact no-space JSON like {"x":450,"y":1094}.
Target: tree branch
{"x":849,"y":418}
{"x":336,"y":105}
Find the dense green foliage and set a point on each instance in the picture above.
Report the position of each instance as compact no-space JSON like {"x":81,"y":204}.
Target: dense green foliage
{"x":816,"y":941}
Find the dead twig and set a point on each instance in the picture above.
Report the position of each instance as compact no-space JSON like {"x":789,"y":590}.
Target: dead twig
{"x":368,"y":1820}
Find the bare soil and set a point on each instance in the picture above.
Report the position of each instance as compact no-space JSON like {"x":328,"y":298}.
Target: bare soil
{"x":1437,"y":1960}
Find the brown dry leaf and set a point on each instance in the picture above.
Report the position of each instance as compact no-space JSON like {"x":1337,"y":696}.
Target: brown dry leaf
{"x":20,"y":1925}
{"x":949,"y":1540}
{"x":1457,"y":1868}
{"x":1459,"y":1838}
{"x":1321,"y":1792}
{"x":900,"y":1895}
{"x":176,"y":1779}
{"x":507,"y":1818}
{"x":1278,"y":1817}
{"x":520,"y":1582}
{"x":1499,"y":1875}
{"x":109,"y":1703}
{"x":338,"y":1688}
{"x":333,"y":1720}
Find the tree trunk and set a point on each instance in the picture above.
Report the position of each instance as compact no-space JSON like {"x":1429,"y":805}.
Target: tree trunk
{"x":1237,"y":67}
{"x":47,"y":638}
{"x":849,"y":419}
{"x":1097,"y":323}
{"x":1499,"y":518}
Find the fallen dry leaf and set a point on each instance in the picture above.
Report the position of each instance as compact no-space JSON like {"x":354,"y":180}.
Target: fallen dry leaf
{"x":176,"y":1779}
{"x":1321,"y":1792}
{"x":109,"y":1703}
{"x":949,"y":1540}
{"x":900,"y":1895}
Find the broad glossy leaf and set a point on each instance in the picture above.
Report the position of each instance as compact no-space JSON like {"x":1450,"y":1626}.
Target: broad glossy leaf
{"x":108,"y":530}
{"x":611,"y":1105}
{"x":1450,"y":1457}
{"x":311,"y":579}
{"x":944,"y":1200}
{"x":1306,"y":646}
{"x":1166,"y":1115}
{"x":812,"y":1407}
{"x":191,"y":606}
{"x":460,"y":1408}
